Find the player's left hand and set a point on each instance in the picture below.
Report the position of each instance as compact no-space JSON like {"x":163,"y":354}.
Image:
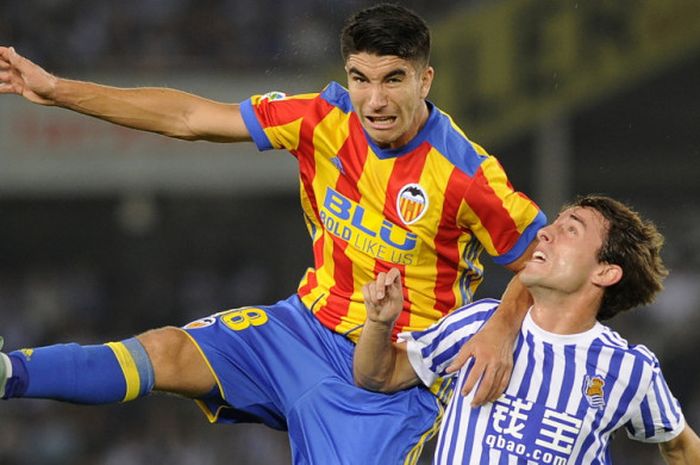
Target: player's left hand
{"x":384,"y":297}
{"x":493,"y":362}
{"x":18,"y":75}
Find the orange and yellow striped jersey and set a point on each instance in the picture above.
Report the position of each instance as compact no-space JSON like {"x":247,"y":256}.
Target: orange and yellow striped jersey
{"x":429,"y":208}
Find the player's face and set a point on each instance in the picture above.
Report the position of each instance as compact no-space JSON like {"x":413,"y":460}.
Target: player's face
{"x":566,"y":257}
{"x":388,"y":94}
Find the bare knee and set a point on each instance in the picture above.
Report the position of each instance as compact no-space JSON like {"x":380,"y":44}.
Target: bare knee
{"x":178,"y":365}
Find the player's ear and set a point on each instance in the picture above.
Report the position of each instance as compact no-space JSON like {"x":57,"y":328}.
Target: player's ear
{"x":607,"y":274}
{"x":427,"y":76}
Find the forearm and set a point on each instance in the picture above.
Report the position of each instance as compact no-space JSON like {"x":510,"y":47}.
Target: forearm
{"x":515,"y":303}
{"x":375,"y":357}
{"x":164,"y":111}
{"x":379,"y":364}
{"x":682,"y":450}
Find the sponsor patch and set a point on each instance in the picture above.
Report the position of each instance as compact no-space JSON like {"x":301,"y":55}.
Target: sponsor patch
{"x":531,"y":432}
{"x":367,"y":230}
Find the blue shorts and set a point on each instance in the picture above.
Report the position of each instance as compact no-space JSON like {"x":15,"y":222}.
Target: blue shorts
{"x":279,"y":366}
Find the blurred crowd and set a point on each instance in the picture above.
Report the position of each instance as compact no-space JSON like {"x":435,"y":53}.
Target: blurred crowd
{"x":154,"y":35}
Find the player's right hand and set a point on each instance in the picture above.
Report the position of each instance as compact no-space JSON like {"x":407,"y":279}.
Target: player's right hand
{"x":384,"y":297}
{"x":20,"y":76}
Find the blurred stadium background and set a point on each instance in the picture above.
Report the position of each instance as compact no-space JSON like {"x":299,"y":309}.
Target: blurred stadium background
{"x":107,"y":232}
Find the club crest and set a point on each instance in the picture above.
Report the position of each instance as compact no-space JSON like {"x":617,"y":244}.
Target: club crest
{"x":593,"y":390}
{"x":201,"y":323}
{"x":411,"y":203}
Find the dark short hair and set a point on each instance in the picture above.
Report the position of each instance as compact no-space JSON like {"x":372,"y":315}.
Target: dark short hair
{"x":634,"y":244}
{"x":387,"y":29}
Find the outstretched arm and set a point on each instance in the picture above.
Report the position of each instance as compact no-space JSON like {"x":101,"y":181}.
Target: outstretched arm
{"x":684,"y":449}
{"x":492,"y":346}
{"x":379,"y":364}
{"x":164,"y":111}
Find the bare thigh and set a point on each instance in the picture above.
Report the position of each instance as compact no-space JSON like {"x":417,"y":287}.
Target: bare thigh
{"x":178,"y":365}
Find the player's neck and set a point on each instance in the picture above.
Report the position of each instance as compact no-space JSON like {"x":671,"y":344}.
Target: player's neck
{"x":564,"y":314}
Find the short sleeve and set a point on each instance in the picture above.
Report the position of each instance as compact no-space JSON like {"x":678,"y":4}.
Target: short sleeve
{"x":504,"y":220}
{"x":432,"y":350}
{"x":659,"y":417}
{"x":274,"y":120}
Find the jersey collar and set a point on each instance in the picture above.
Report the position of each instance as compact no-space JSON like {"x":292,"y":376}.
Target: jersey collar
{"x":433,"y":116}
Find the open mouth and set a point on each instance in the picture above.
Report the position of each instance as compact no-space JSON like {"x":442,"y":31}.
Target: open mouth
{"x":538,"y":256}
{"x":381,"y":121}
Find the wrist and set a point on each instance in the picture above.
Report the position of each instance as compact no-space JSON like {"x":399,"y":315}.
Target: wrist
{"x":508,"y":317}
{"x":380,"y":326}
{"x":56,"y":91}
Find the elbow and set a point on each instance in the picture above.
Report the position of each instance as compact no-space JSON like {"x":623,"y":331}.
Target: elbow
{"x":186,"y":127}
{"x":181,"y":131}
{"x":683,"y":449}
{"x":370,"y":383}
{"x":186,"y":137}
{"x":374,"y":386}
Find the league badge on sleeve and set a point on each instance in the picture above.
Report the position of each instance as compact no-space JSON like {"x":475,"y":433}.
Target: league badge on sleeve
{"x":411,"y":203}
{"x":274,"y":95}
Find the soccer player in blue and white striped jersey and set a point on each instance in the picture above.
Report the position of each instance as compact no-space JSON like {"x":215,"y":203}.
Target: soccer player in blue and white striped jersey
{"x":575,"y":381}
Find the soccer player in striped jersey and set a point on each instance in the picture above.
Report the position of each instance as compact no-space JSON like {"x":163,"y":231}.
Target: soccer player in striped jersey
{"x":575,"y":380}
{"x":386,"y":180}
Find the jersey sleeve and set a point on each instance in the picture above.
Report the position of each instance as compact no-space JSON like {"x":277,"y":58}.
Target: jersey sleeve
{"x":274,"y":120}
{"x":432,"y":350}
{"x":659,"y":417}
{"x":504,"y":220}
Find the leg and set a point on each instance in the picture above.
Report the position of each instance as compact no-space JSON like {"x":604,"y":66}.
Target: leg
{"x":337,"y":422}
{"x":97,"y":374}
{"x":278,"y":365}
{"x":177,"y":363}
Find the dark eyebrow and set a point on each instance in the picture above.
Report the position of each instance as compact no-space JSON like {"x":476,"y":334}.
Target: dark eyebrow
{"x":578,"y":219}
{"x":391,"y":74}
{"x":395,"y":73}
{"x":354,"y":70}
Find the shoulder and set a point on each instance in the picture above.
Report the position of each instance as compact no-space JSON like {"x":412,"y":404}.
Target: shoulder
{"x":337,"y":96}
{"x":469,"y":317}
{"x":452,"y":330}
{"x":484,"y":307}
{"x":613,"y":340}
{"x":452,"y":143}
{"x":459,"y":323}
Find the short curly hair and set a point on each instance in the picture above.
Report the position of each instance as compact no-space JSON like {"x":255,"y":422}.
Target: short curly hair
{"x":634,"y":244}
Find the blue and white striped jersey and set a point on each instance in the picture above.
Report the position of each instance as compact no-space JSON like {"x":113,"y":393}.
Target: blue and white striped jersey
{"x":567,"y":394}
